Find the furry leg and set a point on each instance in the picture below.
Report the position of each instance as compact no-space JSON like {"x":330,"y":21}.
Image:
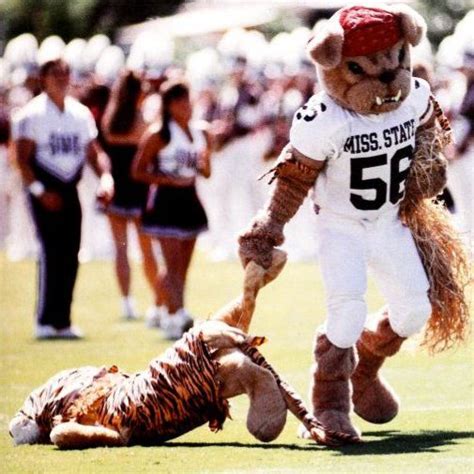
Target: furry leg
{"x":374,"y":400}
{"x":293,"y":179}
{"x":238,"y":313}
{"x":72,"y":435}
{"x":331,"y":391}
{"x":266,"y":417}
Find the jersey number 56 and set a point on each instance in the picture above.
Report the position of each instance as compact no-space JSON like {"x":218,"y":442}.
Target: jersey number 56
{"x":394,"y":190}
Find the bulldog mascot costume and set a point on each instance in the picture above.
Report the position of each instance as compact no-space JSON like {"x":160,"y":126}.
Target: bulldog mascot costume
{"x":369,"y":147}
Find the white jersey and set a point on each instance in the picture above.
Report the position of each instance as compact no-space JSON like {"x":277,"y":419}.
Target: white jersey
{"x":368,"y":156}
{"x":61,"y":137}
{"x":179,"y":158}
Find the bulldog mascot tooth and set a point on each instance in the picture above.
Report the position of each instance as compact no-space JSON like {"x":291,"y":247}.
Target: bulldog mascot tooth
{"x":369,"y":146}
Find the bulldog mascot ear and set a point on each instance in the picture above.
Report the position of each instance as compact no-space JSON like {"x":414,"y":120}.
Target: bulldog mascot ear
{"x":325,"y":48}
{"x":359,"y":31}
{"x":412,"y":24}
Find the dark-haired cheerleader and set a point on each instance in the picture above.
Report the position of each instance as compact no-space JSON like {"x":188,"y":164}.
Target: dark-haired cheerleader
{"x":170,"y":157}
{"x":123,"y":126}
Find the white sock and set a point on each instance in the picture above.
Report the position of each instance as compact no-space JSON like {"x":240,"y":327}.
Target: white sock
{"x":128,"y":306}
{"x":157,"y":310}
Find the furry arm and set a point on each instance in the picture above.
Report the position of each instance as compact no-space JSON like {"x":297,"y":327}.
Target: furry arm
{"x":428,"y":173}
{"x":295,"y":175}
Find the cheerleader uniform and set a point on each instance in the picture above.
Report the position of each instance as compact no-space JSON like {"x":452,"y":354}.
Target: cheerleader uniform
{"x":172,"y":211}
{"x":61,"y":139}
{"x":130,"y":195}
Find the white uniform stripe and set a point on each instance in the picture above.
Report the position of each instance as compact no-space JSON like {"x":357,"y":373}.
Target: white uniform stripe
{"x":41,"y":281}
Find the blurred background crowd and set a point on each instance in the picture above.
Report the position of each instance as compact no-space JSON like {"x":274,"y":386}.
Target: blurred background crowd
{"x":246,"y":66}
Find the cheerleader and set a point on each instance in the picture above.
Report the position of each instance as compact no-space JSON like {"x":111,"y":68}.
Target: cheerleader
{"x":170,"y":157}
{"x":54,"y":135}
{"x":123,"y":126}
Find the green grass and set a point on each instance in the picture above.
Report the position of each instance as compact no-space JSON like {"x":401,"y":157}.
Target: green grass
{"x":433,"y":432}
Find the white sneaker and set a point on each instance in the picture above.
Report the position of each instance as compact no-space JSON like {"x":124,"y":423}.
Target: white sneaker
{"x":154,"y":315}
{"x":128,"y":308}
{"x":176,"y":324}
{"x":302,"y":432}
{"x":44,"y":331}
{"x":71,"y":332}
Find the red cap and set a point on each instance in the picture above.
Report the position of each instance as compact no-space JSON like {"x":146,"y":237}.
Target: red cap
{"x":368,"y":30}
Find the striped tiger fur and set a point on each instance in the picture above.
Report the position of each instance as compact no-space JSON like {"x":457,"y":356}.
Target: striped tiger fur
{"x":178,"y":392}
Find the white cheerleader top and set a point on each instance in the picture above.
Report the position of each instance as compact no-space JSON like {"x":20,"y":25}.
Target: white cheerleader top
{"x":179,"y":158}
{"x":61,"y":137}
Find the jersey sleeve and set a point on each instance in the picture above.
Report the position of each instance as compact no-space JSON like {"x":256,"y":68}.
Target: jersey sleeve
{"x":23,"y":126}
{"x":420,"y":99}
{"x":91,"y":127}
{"x":315,"y":129}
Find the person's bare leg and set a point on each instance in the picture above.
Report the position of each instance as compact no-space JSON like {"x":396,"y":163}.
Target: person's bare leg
{"x":118,"y":226}
{"x":171,"y":281}
{"x":177,"y":255}
{"x":187,"y":250}
{"x":150,"y":265}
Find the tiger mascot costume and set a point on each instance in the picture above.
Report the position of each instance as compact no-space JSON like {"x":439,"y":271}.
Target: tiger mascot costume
{"x":184,"y":388}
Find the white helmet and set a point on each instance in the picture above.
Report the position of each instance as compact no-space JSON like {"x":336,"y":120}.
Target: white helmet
{"x":110,"y":63}
{"x":22,"y":50}
{"x":51,"y":48}
{"x":151,"y":51}
{"x":94,"y":49}
{"x":74,"y":54}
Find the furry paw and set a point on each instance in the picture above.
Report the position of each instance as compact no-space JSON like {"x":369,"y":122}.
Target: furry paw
{"x":220,"y":335}
{"x":24,"y":430}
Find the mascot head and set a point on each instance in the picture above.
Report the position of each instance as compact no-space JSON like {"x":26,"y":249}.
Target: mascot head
{"x":362,"y":56}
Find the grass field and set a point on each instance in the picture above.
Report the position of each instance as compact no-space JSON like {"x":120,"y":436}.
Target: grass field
{"x":433,"y":433}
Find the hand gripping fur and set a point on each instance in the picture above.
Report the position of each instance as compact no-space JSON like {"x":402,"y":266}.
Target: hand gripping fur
{"x":293,"y":179}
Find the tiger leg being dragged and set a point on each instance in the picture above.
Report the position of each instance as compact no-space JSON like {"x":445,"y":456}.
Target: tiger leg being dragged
{"x":239,"y":312}
{"x":266,"y":417}
{"x":72,"y":435}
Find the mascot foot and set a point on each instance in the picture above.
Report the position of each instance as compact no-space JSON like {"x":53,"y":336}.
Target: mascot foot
{"x":330,"y":438}
{"x":339,"y":425}
{"x":374,"y":400}
{"x":331,"y":389}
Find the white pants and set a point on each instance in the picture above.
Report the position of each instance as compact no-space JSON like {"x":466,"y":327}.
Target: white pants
{"x":347,"y":248}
